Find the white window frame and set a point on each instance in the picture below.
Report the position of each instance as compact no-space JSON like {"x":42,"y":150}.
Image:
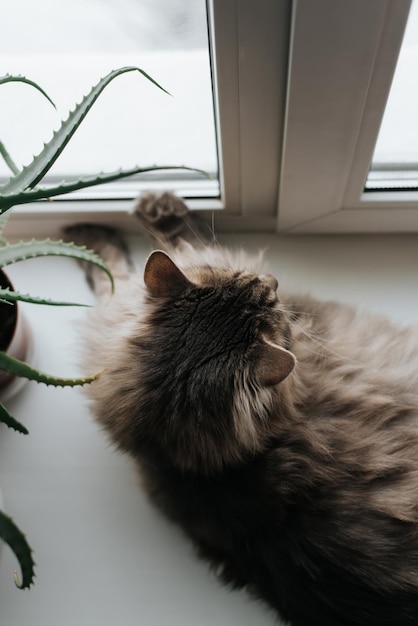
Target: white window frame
{"x":343,"y":57}
{"x":300,"y":88}
{"x":250,"y":47}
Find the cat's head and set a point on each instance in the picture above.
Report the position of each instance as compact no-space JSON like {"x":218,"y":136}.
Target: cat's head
{"x":216,"y":347}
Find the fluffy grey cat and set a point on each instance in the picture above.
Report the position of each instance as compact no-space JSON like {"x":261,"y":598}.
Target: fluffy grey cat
{"x":282,"y":439}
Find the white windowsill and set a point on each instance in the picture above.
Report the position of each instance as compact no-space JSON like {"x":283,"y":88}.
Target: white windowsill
{"x":104,"y":556}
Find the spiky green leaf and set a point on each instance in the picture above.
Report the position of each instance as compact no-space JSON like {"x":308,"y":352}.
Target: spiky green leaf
{"x":13,"y":253}
{"x":9,"y":78}
{"x":11,"y":422}
{"x":14,"y":537}
{"x":14,"y":296}
{"x":31,"y":174}
{"x":3,"y":222}
{"x":13,"y":366}
{"x":43,"y":193}
{"x":8,"y":159}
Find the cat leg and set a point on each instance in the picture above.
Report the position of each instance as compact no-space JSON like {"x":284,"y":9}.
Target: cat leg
{"x":166,"y":218}
{"x":109,"y":245}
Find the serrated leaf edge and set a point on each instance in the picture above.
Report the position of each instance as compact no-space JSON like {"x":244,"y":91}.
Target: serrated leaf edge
{"x":16,"y":540}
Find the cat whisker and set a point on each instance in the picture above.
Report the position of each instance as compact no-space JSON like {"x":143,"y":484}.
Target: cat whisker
{"x":194,"y":233}
{"x":214,"y":239}
{"x":294,"y":312}
{"x":201,"y":240}
{"x":322,"y":343}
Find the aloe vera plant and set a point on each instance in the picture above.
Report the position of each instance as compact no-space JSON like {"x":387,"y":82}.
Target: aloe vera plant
{"x":22,"y":187}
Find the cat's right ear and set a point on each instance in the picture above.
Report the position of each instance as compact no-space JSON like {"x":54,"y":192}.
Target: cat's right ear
{"x":274,"y":364}
{"x":162,"y":277}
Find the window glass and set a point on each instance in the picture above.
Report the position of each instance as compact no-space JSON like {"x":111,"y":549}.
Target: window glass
{"x":395,"y":159}
{"x":68,"y":47}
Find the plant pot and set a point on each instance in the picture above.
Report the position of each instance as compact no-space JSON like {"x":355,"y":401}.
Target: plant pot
{"x":15,"y":339}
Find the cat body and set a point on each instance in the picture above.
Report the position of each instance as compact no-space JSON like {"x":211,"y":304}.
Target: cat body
{"x":281,"y":434}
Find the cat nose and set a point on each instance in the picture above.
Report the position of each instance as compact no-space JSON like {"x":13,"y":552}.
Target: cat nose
{"x":271,"y":281}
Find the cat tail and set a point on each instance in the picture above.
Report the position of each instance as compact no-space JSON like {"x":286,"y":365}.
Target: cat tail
{"x":109,"y":245}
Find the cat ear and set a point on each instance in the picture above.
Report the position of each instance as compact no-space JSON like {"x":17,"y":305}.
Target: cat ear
{"x":275,"y":364}
{"x":162,"y":276}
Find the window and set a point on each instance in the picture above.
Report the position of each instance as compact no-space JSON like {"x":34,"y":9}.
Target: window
{"x":133,"y":122}
{"x":395,"y":159}
{"x":343,"y":58}
{"x":299,"y":92}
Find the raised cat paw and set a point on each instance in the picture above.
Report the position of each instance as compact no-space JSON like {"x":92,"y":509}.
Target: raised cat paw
{"x":157,"y":208}
{"x":168,"y":220}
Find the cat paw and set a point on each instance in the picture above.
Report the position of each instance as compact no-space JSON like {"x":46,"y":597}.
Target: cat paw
{"x":168,"y":220}
{"x":156,"y":208}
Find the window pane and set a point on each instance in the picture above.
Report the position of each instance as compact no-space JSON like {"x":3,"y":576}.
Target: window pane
{"x":67,"y":48}
{"x":395,"y":160}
